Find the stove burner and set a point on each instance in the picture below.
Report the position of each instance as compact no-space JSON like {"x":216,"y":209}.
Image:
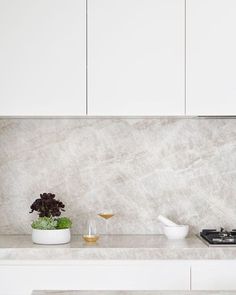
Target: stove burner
{"x":221,"y":237}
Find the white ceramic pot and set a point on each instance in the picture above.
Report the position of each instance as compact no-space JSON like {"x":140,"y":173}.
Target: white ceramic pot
{"x":51,"y":237}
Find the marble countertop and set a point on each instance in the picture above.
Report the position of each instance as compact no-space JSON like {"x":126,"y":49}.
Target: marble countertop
{"x":133,"y":293}
{"x":127,"y":247}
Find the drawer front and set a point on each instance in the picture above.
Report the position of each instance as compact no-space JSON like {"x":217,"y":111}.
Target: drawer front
{"x":213,"y":275}
{"x":22,"y":279}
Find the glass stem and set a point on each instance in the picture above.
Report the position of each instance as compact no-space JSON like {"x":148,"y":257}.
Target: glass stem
{"x":106,"y":226}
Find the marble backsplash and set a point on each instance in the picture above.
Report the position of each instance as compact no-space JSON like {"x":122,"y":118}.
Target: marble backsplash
{"x":182,"y":168}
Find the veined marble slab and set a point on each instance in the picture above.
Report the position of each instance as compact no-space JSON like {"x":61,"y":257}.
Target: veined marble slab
{"x":139,"y":168}
{"x":117,"y":247}
{"x":133,"y":293}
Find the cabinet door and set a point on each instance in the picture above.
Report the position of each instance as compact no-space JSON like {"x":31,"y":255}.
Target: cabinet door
{"x":211,"y":57}
{"x":42,"y":57}
{"x":136,"y":57}
{"x":213,"y":275}
{"x":103,"y":275}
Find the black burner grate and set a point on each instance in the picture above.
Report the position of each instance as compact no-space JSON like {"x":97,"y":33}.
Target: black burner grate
{"x":221,"y":237}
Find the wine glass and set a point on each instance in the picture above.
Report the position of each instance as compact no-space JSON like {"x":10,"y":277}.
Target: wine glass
{"x":106,"y":214}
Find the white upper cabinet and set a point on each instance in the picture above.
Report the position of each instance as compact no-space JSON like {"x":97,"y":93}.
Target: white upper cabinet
{"x":211,"y":57}
{"x":42,"y":57}
{"x":136,"y":57}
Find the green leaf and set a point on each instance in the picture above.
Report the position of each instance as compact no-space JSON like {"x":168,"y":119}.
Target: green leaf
{"x":63,"y":223}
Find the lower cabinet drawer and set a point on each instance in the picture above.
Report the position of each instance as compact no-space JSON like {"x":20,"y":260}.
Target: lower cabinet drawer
{"x":150,"y":275}
{"x":213,"y":275}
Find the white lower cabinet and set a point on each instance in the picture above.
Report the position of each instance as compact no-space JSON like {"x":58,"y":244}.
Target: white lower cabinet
{"x":213,"y":275}
{"x":21,"y":279}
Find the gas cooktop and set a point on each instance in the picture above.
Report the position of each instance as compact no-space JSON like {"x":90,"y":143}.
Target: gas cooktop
{"x":222,"y":237}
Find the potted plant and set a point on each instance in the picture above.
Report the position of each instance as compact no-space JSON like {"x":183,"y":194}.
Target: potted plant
{"x":49,"y":228}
